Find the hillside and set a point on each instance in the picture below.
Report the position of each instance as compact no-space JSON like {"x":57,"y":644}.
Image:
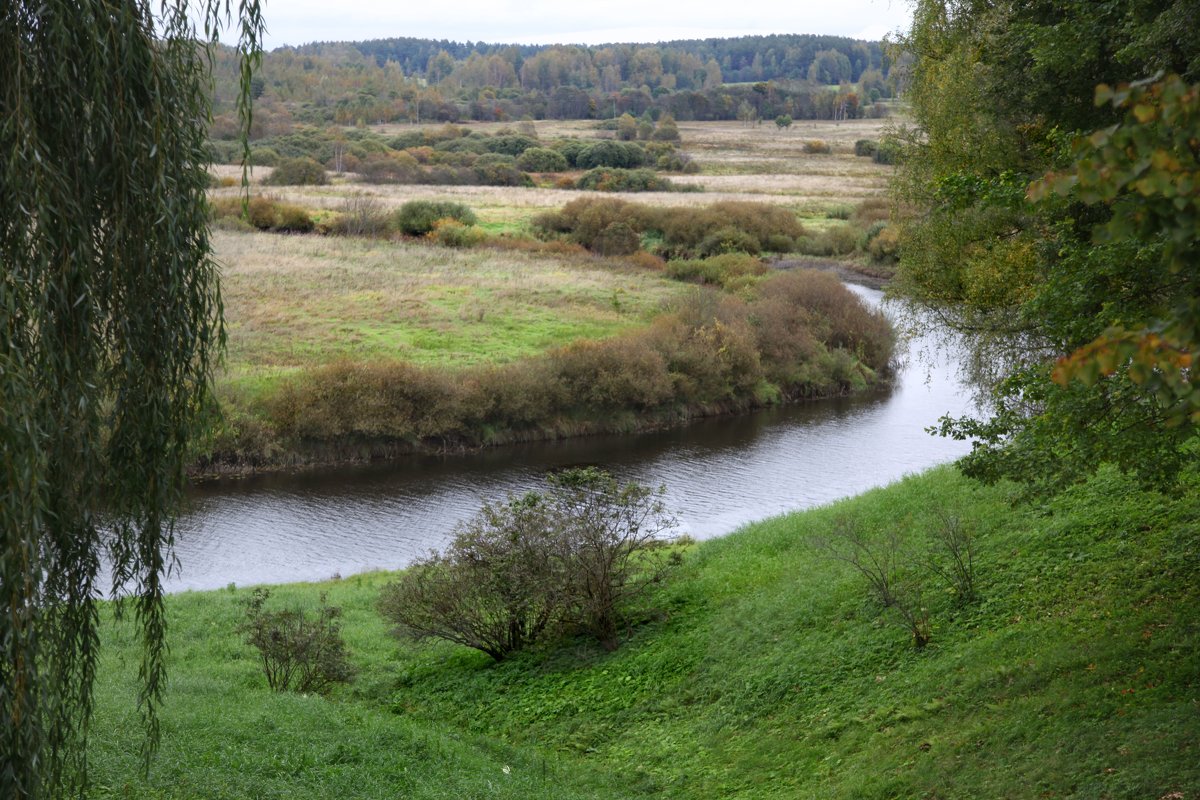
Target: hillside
{"x":769,"y":672}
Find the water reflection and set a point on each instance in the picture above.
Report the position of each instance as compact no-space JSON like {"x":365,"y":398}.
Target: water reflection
{"x":719,"y":474}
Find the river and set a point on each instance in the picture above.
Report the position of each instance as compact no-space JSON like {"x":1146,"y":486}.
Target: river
{"x":719,"y":474}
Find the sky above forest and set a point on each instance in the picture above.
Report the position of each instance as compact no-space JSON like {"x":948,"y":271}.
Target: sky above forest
{"x":296,"y":22}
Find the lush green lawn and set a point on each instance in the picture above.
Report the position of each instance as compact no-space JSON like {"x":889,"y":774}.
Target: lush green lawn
{"x":768,"y":673}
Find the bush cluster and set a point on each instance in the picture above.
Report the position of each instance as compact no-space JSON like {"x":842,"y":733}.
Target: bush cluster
{"x":419,"y":217}
{"x":263,"y":213}
{"x":724,"y":227}
{"x":570,"y":558}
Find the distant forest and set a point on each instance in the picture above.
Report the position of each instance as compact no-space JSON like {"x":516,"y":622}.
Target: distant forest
{"x":423,"y":80}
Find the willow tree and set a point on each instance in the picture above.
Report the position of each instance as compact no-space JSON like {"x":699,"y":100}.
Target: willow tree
{"x":110,"y":320}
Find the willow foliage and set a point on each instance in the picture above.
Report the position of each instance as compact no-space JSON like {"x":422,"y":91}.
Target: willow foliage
{"x":110,"y":318}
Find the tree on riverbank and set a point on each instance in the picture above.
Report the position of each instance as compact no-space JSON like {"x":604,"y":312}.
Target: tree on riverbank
{"x":111,"y":321}
{"x":1095,"y":280}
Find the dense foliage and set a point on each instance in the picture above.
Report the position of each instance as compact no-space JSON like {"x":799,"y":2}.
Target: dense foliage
{"x":110,"y":315}
{"x":1099,"y":264}
{"x":418,"y":80}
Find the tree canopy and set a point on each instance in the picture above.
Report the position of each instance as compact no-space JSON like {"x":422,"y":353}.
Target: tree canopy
{"x":1054,"y":225}
{"x":110,"y":321}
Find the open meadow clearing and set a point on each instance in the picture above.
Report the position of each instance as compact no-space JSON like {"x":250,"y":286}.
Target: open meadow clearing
{"x":293,"y":302}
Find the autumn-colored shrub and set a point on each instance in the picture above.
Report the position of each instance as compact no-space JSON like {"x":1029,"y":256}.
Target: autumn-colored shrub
{"x":418,"y":217}
{"x":452,"y":233}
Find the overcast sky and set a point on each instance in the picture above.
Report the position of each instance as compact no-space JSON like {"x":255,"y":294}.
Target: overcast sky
{"x":295,"y":22}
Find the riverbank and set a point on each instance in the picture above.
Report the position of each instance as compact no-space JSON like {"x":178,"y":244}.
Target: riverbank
{"x":769,"y":673}
{"x":798,"y":335}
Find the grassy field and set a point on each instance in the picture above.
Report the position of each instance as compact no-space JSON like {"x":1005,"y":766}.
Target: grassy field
{"x":738,"y":162}
{"x":769,"y":673}
{"x":294,"y":302}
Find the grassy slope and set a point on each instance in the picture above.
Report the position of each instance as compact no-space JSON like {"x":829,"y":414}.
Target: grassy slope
{"x":772,"y":675}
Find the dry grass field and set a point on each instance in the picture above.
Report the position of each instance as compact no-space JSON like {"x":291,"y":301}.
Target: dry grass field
{"x":757,"y":162}
{"x":293,"y":302}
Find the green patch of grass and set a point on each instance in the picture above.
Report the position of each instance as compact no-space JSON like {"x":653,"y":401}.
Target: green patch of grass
{"x":768,"y":673}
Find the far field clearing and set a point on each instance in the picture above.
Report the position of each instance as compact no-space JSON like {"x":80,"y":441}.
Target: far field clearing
{"x":759,"y":162}
{"x":302,"y":301}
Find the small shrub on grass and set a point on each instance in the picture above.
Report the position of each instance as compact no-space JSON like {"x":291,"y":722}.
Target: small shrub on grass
{"x":292,"y":219}
{"x":575,"y":556}
{"x":954,"y":557}
{"x":302,"y":171}
{"x":361,"y":215}
{"x":865,"y":148}
{"x":298,"y":653}
{"x":817,"y":147}
{"x":417,"y":217}
{"x":452,"y":233}
{"x":880,"y":561}
{"x":884,"y":246}
{"x":495,"y":589}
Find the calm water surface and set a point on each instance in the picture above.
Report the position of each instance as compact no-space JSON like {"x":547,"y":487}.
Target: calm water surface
{"x":719,"y":474}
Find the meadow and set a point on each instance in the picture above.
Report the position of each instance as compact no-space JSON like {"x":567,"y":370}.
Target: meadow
{"x":304,"y":310}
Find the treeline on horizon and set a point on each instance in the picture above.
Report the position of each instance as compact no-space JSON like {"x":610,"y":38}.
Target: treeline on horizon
{"x":750,"y":78}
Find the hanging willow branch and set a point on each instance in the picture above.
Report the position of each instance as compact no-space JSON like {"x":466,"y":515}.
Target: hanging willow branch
{"x":110,"y":321}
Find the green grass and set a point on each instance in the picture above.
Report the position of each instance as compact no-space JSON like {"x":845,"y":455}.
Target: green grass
{"x":769,"y":673}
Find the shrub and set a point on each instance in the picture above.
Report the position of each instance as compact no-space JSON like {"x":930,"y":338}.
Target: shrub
{"x":727,"y":240}
{"x":884,"y":246}
{"x":542,"y":159}
{"x":263,"y":157}
{"x":496,"y":588}
{"x":817,"y":146}
{"x":361,"y":215}
{"x":667,"y":130}
{"x":452,"y":233}
{"x":291,"y":218}
{"x":613,"y":536}
{"x":297,"y":652}
{"x":722,"y":270}
{"x":498,"y":169}
{"x":417,"y":217}
{"x":510,"y":144}
{"x":888,"y":152}
{"x":302,"y":171}
{"x":261,"y":212}
{"x":865,"y":148}
{"x":576,"y":555}
{"x":609,"y":153}
{"x":617,"y":239}
{"x":604,"y":179}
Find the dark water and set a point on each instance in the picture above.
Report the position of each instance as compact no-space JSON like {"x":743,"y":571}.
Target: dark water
{"x":719,"y":474}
